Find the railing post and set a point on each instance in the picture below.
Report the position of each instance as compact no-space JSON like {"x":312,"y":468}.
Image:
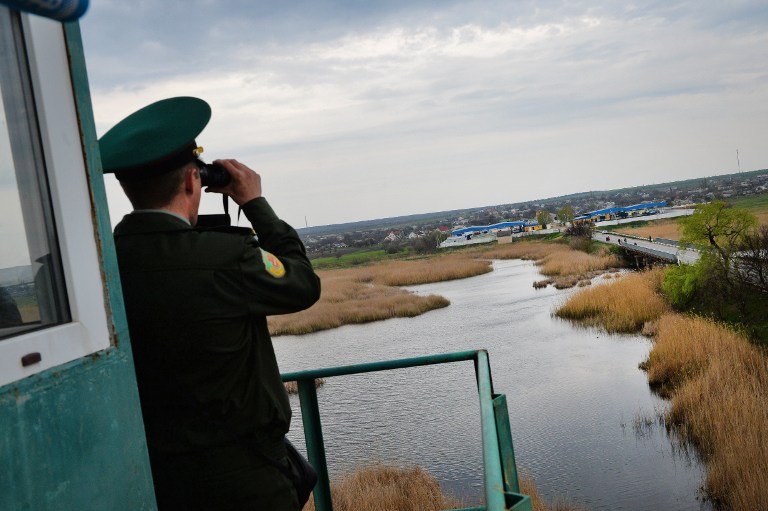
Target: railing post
{"x":495,"y":499}
{"x":313,"y":434}
{"x":508,"y":464}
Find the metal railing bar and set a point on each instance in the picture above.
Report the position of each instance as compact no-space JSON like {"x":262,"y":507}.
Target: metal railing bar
{"x":384,"y":365}
{"x":496,"y":451}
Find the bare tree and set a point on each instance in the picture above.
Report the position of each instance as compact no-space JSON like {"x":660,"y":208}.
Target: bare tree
{"x":751,"y":259}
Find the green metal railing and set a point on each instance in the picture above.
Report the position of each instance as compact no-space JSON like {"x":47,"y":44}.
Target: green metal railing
{"x":502,"y":488}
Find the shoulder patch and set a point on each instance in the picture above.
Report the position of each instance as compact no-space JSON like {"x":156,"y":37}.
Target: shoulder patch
{"x":272,"y":264}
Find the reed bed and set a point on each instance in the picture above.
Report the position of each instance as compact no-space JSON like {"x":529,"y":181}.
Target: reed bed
{"x":384,"y":488}
{"x":528,"y":487}
{"x":719,"y":384}
{"x":346,"y":300}
{"x":424,"y":271}
{"x":684,"y":347}
{"x":565,"y":267}
{"x":574,"y":262}
{"x":292,"y":387}
{"x":622,"y":305}
{"x":530,"y":250}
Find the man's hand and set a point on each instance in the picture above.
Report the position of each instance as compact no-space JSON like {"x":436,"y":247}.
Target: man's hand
{"x":244,"y":186}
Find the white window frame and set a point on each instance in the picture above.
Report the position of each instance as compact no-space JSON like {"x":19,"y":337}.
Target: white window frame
{"x":89,"y":330}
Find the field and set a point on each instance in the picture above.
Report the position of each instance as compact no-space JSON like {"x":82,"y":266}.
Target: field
{"x":668,"y":228}
{"x":352,"y":259}
{"x":28,"y":308}
{"x":665,"y":228}
{"x":757,"y":204}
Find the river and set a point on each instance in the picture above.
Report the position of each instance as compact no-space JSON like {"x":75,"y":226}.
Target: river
{"x":580,"y":409}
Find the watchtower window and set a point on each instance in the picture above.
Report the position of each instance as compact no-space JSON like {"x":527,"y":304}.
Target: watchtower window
{"x":32,"y":288}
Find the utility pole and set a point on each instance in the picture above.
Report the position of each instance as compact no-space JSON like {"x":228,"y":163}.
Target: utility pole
{"x":738,"y":164}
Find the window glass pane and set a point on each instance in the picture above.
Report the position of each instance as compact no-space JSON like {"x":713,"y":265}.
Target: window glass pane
{"x":32,"y":292}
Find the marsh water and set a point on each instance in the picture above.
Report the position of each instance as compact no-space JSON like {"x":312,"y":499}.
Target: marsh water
{"x":581,"y":412}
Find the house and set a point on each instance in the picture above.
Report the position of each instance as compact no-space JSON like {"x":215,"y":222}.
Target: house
{"x":394,"y":235}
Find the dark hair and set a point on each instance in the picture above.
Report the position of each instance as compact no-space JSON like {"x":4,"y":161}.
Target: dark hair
{"x":157,"y":191}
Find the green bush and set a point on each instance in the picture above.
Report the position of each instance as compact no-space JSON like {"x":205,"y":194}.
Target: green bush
{"x":695,"y":285}
{"x":680,"y":285}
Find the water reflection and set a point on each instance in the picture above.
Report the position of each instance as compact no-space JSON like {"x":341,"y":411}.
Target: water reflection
{"x":573,"y":396}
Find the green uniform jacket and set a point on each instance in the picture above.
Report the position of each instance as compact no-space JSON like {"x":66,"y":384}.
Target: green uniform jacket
{"x":197,"y":302}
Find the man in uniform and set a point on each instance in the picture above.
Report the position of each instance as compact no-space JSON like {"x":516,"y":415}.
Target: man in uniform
{"x":215,"y":410}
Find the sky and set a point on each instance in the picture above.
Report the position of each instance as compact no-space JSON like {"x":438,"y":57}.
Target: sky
{"x":356,"y":110}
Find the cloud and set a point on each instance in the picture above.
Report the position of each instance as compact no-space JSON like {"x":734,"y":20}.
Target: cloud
{"x":410,"y":106}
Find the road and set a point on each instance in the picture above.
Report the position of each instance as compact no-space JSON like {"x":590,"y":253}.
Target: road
{"x":664,"y":250}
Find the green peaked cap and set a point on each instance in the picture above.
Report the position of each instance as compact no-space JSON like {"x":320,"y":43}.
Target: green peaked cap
{"x":154,"y":140}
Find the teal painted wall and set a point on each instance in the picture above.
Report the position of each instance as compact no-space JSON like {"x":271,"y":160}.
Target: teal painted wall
{"x":72,"y":438}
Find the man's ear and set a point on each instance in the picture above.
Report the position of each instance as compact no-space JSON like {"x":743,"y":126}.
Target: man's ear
{"x":191,"y":178}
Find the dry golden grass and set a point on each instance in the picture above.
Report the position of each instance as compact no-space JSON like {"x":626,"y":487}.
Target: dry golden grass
{"x":29,"y":313}
{"x":528,"y":487}
{"x":684,"y":346}
{"x":424,"y":271}
{"x":382,"y":488}
{"x":719,"y":384}
{"x":666,"y":228}
{"x":577,"y":263}
{"x":292,"y":387}
{"x":565,"y":266}
{"x":622,"y":305}
{"x":533,"y":250}
{"x":369,"y":293}
{"x":345,"y":300}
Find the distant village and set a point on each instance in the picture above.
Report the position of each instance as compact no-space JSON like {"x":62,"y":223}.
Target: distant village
{"x":425,"y":233}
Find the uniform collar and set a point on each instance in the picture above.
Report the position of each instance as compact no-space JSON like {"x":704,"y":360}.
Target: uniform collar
{"x":146,"y":221}
{"x":163,"y":211}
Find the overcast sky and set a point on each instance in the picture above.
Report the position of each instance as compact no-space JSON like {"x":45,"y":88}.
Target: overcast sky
{"x":354,"y":110}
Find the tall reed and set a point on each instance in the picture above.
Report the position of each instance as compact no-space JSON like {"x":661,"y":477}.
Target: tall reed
{"x":387,"y":488}
{"x":369,"y":293}
{"x":622,"y":305}
{"x":567,"y":266}
{"x":539,"y":503}
{"x":384,"y":488}
{"x":719,"y":384}
{"x":423,"y":271}
{"x":346,"y":300}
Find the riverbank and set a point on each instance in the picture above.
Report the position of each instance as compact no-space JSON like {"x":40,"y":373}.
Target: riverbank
{"x":716,"y":379}
{"x":372,"y":292}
